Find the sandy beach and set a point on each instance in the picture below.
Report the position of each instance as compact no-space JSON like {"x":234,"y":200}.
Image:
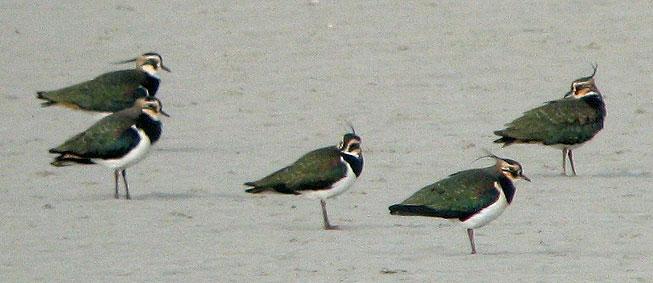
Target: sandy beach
{"x":256,"y":84}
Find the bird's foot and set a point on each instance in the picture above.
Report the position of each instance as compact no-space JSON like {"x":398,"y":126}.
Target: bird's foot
{"x":331,"y":227}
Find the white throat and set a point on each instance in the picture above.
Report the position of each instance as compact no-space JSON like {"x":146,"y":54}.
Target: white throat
{"x":150,"y":70}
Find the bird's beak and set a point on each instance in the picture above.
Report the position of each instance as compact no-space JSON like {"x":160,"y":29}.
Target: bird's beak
{"x":568,"y":94}
{"x":166,"y":114}
{"x":165,"y":68}
{"x":525,"y":178}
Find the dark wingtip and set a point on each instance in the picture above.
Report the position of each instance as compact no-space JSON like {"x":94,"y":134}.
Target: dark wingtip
{"x":400,"y":209}
{"x":59,"y":161}
{"x":41,"y":95}
{"x":412,"y":210}
{"x":66,"y":159}
{"x":505,"y":140}
{"x":47,"y":103}
{"x":254,"y":190}
{"x":393,"y":209}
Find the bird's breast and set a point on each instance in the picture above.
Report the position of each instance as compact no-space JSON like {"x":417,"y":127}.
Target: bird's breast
{"x":489,"y":213}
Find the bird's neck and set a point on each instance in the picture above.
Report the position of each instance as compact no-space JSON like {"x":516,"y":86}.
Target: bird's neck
{"x":356,"y":162}
{"x":150,"y":126}
{"x":507,"y":187}
{"x":596,"y":102}
{"x":151,"y":83}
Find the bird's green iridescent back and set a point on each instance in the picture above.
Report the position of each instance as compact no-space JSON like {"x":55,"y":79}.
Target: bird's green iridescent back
{"x":461,"y":193}
{"x":565,"y":121}
{"x":314,"y":171}
{"x":109,"y":92}
{"x":106,"y":137}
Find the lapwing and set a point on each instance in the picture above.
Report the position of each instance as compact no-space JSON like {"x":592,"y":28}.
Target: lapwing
{"x":110,"y":92}
{"x":474,"y":197}
{"x":116,"y":141}
{"x":319,"y":174}
{"x":565,"y":124}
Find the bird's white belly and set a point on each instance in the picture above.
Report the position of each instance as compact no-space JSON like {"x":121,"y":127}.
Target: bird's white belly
{"x":133,"y":156}
{"x":337,"y":188}
{"x":489,"y":213}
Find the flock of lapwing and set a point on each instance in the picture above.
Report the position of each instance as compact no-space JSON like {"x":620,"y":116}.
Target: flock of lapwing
{"x":473,"y":197}
{"x":124,"y":137}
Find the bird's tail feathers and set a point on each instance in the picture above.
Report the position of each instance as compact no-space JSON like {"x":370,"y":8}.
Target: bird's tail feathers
{"x":67,"y":160}
{"x":408,"y":209}
{"x":421,"y":210}
{"x":255,"y":189}
{"x":48,"y":102}
{"x":505,"y":140}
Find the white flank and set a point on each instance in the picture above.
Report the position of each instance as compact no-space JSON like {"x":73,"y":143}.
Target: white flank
{"x":149,"y":69}
{"x":133,"y":156}
{"x":486,"y":215}
{"x":337,"y":188}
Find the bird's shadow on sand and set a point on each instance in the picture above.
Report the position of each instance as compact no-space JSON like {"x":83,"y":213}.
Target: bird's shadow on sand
{"x":514,"y":253}
{"x":139,"y":197}
{"x":162,"y":196}
{"x":190,"y":195}
{"x":165,"y":196}
{"x":617,"y":174}
{"x":184,"y":149}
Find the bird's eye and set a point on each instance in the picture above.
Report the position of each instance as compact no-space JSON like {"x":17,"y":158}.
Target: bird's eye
{"x":512,"y":170}
{"x":354,"y":146}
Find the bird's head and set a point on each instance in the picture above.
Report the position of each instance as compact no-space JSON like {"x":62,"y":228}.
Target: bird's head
{"x":509,"y":168}
{"x":151,"y":106}
{"x":351,"y":143}
{"x":583,"y":87}
{"x":150,"y":63}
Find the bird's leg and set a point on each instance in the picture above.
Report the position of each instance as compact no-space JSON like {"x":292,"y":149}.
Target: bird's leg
{"x":116,"y":174}
{"x":564,"y":162}
{"x":470,"y":233}
{"x":124,"y":178}
{"x":327,"y":226}
{"x":571,"y":161}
